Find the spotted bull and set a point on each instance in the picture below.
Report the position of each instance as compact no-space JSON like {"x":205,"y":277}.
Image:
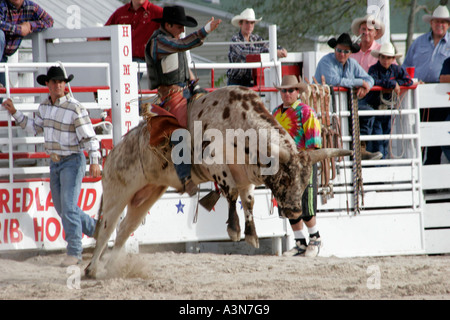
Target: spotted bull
{"x":137,"y":175}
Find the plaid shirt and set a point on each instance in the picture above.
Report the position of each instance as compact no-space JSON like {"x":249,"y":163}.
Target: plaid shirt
{"x":11,"y":18}
{"x":66,"y":126}
{"x":238,"y":53}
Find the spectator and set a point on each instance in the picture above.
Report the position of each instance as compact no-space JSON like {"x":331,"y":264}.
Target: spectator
{"x":302,"y":124}
{"x":445,"y":72}
{"x":389,"y":76}
{"x":445,"y":78}
{"x":139,"y":14}
{"x":427,"y":55}
{"x":428,"y":52}
{"x":19,"y":18}
{"x":369,"y":29}
{"x":238,"y":52}
{"x":340,"y":70}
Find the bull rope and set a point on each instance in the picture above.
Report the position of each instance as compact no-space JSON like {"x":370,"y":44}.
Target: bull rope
{"x":358,"y":187}
{"x":395,"y":103}
{"x":318,"y":96}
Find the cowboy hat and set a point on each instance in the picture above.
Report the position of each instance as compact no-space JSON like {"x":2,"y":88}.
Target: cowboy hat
{"x":176,"y":15}
{"x":345,"y":40}
{"x":54,"y":73}
{"x":373,"y":22}
{"x":291,"y":81}
{"x":248,"y":14}
{"x":441,"y":12}
{"x":387,"y":49}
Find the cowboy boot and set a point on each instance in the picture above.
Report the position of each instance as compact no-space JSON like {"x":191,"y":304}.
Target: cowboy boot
{"x":366,"y":155}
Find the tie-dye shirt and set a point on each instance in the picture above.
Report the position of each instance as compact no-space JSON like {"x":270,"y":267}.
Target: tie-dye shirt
{"x":301,"y":122}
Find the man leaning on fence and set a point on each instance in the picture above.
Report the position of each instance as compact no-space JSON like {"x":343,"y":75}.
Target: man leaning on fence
{"x":19,"y":18}
{"x":340,"y":70}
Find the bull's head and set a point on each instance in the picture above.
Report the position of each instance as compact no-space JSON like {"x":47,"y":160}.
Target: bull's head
{"x":291,"y":180}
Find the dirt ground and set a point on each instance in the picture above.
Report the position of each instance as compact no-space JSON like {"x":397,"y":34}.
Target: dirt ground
{"x":205,"y":276}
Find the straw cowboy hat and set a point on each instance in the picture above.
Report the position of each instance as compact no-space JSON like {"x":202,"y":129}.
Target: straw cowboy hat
{"x":248,"y":14}
{"x":54,"y":73}
{"x":176,"y":15}
{"x":387,"y":49}
{"x":345,"y":40}
{"x":290,"y":82}
{"x":441,"y":12}
{"x":378,"y":24}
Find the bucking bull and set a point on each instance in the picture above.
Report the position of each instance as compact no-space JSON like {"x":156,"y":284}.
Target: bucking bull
{"x":137,"y":175}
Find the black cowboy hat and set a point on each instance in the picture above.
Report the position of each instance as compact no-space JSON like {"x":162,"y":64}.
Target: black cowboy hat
{"x":176,"y":15}
{"x":345,"y":40}
{"x":54,"y":73}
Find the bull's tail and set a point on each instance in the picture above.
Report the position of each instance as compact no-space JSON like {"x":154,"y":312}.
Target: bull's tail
{"x":99,"y":220}
{"x":322,"y":154}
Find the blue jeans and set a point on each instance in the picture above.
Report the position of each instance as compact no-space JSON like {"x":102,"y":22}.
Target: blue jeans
{"x":366,"y":123}
{"x":235,"y":82}
{"x":182,"y":168}
{"x":446,"y":149}
{"x":65,"y":184}
{"x":381,"y":125}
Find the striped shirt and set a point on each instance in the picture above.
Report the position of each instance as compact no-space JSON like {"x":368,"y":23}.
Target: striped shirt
{"x":301,"y":122}
{"x":165,"y":44}
{"x":66,"y":126}
{"x":11,"y":18}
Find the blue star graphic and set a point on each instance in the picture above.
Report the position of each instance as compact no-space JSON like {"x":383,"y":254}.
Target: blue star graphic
{"x":180,"y":207}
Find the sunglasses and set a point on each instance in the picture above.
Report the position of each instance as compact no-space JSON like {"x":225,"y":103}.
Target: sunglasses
{"x":343,"y":51}
{"x":288,"y":90}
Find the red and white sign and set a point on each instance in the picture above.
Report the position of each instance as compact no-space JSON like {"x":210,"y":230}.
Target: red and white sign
{"x":28,"y":219}
{"x":125,"y":107}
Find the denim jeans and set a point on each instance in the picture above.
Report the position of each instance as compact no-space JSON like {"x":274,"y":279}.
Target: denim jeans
{"x":65,"y":184}
{"x":366,"y":123}
{"x":446,"y":149}
{"x":381,"y":125}
{"x":235,"y":82}
{"x":182,"y":168}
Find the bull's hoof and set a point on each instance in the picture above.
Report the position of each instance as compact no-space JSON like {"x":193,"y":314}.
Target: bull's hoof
{"x":235,"y":235}
{"x":252,"y":240}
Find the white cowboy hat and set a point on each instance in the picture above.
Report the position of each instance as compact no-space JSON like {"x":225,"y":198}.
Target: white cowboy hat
{"x":387,"y":49}
{"x":441,"y":12}
{"x":379,"y":25}
{"x":248,"y":14}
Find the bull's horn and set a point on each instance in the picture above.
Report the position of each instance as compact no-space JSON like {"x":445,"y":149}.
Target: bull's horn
{"x":321,"y":154}
{"x":283,"y":155}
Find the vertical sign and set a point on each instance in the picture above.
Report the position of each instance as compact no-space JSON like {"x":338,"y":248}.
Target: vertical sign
{"x":124,"y":91}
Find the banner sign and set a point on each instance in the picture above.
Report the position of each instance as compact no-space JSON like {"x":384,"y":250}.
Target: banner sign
{"x":28,"y":219}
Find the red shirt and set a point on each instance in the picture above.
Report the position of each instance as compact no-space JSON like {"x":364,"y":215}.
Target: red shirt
{"x":142,"y":26}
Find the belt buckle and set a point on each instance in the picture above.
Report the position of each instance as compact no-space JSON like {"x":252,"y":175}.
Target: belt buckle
{"x":55,"y":157}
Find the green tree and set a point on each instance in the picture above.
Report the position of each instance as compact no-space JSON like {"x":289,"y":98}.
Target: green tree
{"x":306,"y":19}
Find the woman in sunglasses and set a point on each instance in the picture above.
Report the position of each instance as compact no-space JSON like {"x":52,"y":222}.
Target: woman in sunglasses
{"x":301,"y":122}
